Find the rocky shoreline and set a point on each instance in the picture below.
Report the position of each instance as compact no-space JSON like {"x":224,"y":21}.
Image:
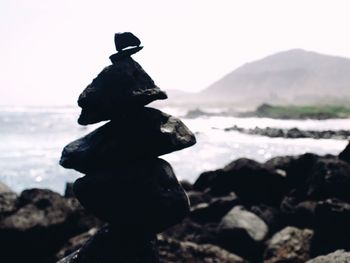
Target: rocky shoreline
{"x":288,"y":209}
{"x":293,"y":133}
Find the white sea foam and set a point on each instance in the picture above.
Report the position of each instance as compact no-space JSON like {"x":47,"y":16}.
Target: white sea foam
{"x":31,"y":142}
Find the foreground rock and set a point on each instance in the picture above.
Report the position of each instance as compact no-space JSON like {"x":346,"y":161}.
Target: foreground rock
{"x":39,"y":224}
{"x":339,"y":256}
{"x":289,"y":245}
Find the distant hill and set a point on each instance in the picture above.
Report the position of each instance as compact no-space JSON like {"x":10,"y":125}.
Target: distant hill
{"x":291,"y":77}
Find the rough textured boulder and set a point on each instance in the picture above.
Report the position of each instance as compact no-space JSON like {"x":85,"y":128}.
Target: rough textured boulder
{"x":242,"y":232}
{"x":155,"y":199}
{"x":140,"y":134}
{"x":173,"y":251}
{"x":339,"y":256}
{"x":250,"y":180}
{"x":290,"y":245}
{"x":120,"y":87}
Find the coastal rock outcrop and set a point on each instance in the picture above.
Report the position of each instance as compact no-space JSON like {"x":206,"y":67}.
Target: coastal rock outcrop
{"x":125,"y":183}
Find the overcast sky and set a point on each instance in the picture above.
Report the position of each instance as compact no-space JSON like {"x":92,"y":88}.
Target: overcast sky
{"x":50,"y":50}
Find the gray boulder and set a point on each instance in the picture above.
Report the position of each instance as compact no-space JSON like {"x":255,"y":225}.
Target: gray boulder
{"x":242,"y":232}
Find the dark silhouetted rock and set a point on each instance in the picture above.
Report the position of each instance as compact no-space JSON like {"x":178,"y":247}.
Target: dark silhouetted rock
{"x":319,"y":177}
{"x":331,"y":226}
{"x":214,"y":210}
{"x":345,"y":154}
{"x":243,"y":233}
{"x":339,"y":256}
{"x":280,"y":162}
{"x":125,"y":39}
{"x":115,"y":245}
{"x":143,"y":194}
{"x":142,"y":134}
{"x":120,"y":87}
{"x":188,"y":230}
{"x":290,"y":245}
{"x":115,"y":58}
{"x":297,"y":211}
{"x":270,"y":215}
{"x":250,"y":180}
{"x":37,"y":229}
{"x":205,"y":180}
{"x":173,"y":251}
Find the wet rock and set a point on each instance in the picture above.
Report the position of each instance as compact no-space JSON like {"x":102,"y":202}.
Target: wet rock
{"x":155,"y":199}
{"x":125,"y":39}
{"x":214,"y":210}
{"x":345,"y":154}
{"x":243,"y":232}
{"x":339,"y":256}
{"x":173,"y":251}
{"x":250,"y":180}
{"x":142,"y":134}
{"x":289,"y":245}
{"x":119,"y":88}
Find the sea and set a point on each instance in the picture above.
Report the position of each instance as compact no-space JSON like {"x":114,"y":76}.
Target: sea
{"x":32,"y":139}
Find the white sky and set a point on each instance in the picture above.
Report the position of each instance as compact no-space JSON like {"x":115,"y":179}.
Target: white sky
{"x":50,"y":50}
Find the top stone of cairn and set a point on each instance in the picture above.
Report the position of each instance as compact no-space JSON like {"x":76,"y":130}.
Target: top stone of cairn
{"x":120,"y":87}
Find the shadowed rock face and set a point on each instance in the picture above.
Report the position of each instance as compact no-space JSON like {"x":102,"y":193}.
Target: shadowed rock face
{"x":140,"y":134}
{"x":142,"y":195}
{"x":120,"y":87}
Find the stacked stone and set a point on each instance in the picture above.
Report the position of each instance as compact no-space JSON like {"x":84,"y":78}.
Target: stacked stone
{"x":125,"y":182}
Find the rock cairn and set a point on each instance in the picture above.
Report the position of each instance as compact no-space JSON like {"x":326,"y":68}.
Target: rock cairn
{"x":125,"y":183}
